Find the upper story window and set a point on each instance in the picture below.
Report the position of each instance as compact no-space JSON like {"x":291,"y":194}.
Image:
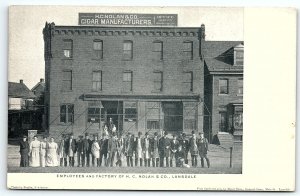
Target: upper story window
{"x":98,"y":49}
{"x":97,"y":81}
{"x":15,"y":103}
{"x":127,"y":81}
{"x":223,"y":86}
{"x":239,"y":55}
{"x":158,"y":50}
{"x":188,"y":49}
{"x":68,"y":48}
{"x":127,"y":50}
{"x":240,"y":86}
{"x":188,"y":81}
{"x":158,"y":81}
{"x":67,"y":80}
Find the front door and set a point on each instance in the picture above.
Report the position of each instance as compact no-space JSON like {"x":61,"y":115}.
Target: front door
{"x":114,"y":110}
{"x":173,"y":116}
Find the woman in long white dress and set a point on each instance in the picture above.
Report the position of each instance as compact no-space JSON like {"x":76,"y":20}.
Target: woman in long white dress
{"x":34,"y":153}
{"x":43,"y":147}
{"x":51,"y":160}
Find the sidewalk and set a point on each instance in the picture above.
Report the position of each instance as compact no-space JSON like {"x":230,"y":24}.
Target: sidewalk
{"x":219,"y":158}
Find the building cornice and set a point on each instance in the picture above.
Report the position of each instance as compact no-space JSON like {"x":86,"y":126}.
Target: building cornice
{"x":127,"y":32}
{"x":226,"y":72}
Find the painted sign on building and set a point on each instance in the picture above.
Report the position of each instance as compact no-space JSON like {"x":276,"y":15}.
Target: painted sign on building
{"x":121,"y":19}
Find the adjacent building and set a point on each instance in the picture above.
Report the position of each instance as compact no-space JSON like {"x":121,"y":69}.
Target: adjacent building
{"x":223,"y":61}
{"x":39,"y":89}
{"x":20,"y":100}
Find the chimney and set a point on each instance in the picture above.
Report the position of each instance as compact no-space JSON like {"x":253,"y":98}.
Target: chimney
{"x":201,"y":40}
{"x":203,"y":31}
{"x":21,"y":81}
{"x":42,"y":80}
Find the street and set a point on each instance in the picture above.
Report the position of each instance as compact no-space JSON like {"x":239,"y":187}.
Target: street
{"x":219,"y":158}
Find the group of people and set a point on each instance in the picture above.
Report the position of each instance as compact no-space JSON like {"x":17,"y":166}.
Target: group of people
{"x":111,"y":149}
{"x":38,"y":153}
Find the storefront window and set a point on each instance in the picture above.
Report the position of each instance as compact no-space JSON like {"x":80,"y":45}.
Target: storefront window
{"x":130,"y":110}
{"x":238,"y":121}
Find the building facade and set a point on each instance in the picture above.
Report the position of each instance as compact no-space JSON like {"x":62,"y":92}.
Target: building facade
{"x":22,"y":114}
{"x":145,"y":78}
{"x":223,"y":61}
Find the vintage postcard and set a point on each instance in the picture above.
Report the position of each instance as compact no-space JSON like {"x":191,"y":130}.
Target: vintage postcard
{"x":152,"y":98}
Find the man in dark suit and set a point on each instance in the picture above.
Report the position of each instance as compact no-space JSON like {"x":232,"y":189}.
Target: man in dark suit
{"x":103,"y":149}
{"x":24,"y":150}
{"x":129,"y":145}
{"x":63,"y":151}
{"x":71,"y":149}
{"x":203,"y":148}
{"x":154,"y":144}
{"x":112,"y":148}
{"x":194,"y":148}
{"x":86,"y":147}
{"x":79,"y":150}
{"x":184,"y":142}
{"x":146,"y":146}
{"x":173,"y":149}
{"x":164,"y":149}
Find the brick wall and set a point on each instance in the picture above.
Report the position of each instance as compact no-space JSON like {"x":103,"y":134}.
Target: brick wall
{"x":143,"y":64}
{"x":221,"y":101}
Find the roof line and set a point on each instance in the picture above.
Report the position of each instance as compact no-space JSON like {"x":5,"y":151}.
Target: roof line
{"x":116,"y":27}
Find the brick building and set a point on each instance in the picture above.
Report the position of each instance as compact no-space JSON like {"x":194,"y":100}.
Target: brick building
{"x":145,"y":78}
{"x":223,"y":92}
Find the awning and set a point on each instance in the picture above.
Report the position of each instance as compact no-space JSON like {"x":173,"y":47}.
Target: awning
{"x":90,"y":97}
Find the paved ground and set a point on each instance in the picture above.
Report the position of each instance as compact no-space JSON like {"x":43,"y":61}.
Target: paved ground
{"x":150,"y":170}
{"x":219,"y":158}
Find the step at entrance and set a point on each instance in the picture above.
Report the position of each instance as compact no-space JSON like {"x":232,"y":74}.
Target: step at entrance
{"x":225,"y":139}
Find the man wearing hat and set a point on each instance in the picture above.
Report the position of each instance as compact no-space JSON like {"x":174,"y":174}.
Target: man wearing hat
{"x":173,"y":150}
{"x":112,"y":148}
{"x":71,"y":149}
{"x":104,"y":149}
{"x":129,"y":144}
{"x":184,"y":142}
{"x":146,"y":149}
{"x":79,"y":150}
{"x":164,"y":149}
{"x":203,"y":148}
{"x":194,"y":149}
{"x":86,"y":147}
{"x":154,"y":150}
{"x":24,"y":151}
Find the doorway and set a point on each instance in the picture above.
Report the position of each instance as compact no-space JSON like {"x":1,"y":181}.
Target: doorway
{"x":114,"y":110}
{"x":173,"y":116}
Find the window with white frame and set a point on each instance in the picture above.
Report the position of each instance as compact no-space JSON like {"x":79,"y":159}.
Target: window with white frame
{"x":67,"y":113}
